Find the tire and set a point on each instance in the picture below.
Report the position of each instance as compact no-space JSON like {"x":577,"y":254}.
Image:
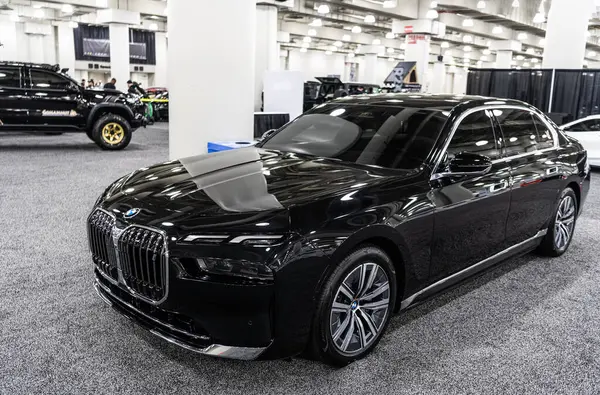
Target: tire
{"x":112,"y":132}
{"x":350,"y":330}
{"x":561,"y":229}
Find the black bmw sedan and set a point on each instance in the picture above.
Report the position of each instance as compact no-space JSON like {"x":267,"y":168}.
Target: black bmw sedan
{"x":358,"y":209}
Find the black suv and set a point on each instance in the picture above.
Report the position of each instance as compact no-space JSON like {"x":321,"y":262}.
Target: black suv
{"x":42,"y":98}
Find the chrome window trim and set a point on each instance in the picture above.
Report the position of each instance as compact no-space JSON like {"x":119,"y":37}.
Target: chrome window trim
{"x":491,"y":107}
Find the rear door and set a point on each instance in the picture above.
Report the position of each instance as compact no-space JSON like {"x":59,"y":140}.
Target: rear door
{"x":13,"y":98}
{"x":588,"y":133}
{"x":530,"y":151}
{"x":55,"y":100}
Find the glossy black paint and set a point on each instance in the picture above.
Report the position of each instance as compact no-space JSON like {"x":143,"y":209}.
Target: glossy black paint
{"x":431,"y":227}
{"x":33,"y":108}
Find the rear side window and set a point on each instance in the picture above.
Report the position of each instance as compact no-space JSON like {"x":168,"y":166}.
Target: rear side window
{"x":544,"y":136}
{"x":10,"y":78}
{"x":45,"y":80}
{"x":475,"y":135}
{"x":591,"y":125}
{"x":519,"y":131}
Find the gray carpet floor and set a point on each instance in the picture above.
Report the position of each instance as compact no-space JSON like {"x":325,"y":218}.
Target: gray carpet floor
{"x":531,"y":325}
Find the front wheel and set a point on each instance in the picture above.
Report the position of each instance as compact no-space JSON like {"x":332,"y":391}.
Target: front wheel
{"x":561,"y":229}
{"x":112,"y":132}
{"x":354,"y":307}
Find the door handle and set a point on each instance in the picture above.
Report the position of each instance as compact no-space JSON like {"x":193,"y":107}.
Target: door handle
{"x":551,"y":171}
{"x":502,"y":185}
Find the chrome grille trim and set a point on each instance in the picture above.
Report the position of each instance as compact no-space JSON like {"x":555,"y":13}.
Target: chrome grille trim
{"x":99,"y":226}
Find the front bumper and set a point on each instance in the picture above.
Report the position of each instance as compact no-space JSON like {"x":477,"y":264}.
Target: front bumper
{"x":174,"y":334}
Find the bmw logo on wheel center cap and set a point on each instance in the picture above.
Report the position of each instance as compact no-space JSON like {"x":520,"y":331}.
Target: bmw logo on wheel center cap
{"x":132,"y":213}
{"x":354,"y":305}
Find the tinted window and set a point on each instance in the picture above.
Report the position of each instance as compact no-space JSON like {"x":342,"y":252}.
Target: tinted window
{"x":373,"y":135}
{"x":10,"y":78}
{"x":544,"y":136}
{"x":592,"y":125}
{"x":519,"y":131}
{"x":475,"y":134}
{"x":45,"y":80}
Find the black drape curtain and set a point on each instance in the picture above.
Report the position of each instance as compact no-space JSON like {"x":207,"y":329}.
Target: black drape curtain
{"x":531,"y":86}
{"x":577,"y":92}
{"x":144,"y":37}
{"x":89,"y":31}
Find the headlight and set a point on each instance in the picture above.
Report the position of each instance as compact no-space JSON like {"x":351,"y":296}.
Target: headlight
{"x":236,"y":268}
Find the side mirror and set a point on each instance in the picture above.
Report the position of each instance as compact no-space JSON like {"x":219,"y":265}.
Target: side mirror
{"x":267,"y":134}
{"x":466,"y":164}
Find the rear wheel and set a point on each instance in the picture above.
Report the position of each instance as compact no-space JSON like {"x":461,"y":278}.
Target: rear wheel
{"x":354,"y":307}
{"x":561,"y":229}
{"x":112,"y":132}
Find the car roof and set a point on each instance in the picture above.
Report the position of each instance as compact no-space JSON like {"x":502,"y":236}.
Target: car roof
{"x":43,"y":66}
{"x":427,"y":100}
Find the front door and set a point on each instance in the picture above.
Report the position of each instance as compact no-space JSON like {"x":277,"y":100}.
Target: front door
{"x":13,"y":99}
{"x":471,"y":211}
{"x":55,"y":101}
{"x":536,"y":173}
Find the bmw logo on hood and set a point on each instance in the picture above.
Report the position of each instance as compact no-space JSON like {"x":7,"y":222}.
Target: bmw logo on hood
{"x":132,"y":213}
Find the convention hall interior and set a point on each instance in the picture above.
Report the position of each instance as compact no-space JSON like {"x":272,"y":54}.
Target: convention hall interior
{"x":299,"y":196}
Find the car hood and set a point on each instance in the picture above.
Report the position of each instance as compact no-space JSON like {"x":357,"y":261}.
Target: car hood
{"x":231,"y":183}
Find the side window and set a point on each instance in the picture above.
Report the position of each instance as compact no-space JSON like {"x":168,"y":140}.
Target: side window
{"x":593,"y":125}
{"x":518,"y":128}
{"x":475,"y":134}
{"x":45,"y":80}
{"x":10,"y":78}
{"x":544,"y":136}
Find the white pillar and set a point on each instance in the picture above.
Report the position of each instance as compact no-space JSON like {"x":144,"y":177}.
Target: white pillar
{"x":36,"y":48}
{"x":66,"y":47}
{"x":212,"y":96}
{"x":369,"y":67}
{"x":566,"y":34}
{"x":418,"y":47}
{"x":267,"y":48}
{"x":438,"y":79}
{"x":160,"y":74}
{"x":504,"y":59}
{"x":119,"y":54}
{"x":8,"y":38}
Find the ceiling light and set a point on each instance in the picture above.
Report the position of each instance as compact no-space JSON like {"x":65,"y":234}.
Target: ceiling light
{"x":539,"y":18}
{"x":445,"y":44}
{"x":542,"y":42}
{"x":515,"y":4}
{"x":307,"y":39}
{"x":497,"y":30}
{"x":351,"y":55}
{"x":591,"y":54}
{"x":483,"y":57}
{"x":333,"y":48}
{"x":520,"y":57}
{"x":370,"y":18}
{"x":522,"y":36}
{"x":356,"y":29}
{"x":153,"y":26}
{"x":467,"y":22}
{"x":467,"y":48}
{"x":323,"y":9}
{"x":73,"y":25}
{"x":316,"y":22}
{"x":390,"y":4}
{"x":346,"y":37}
{"x":39,"y":14}
{"x":433,"y":4}
{"x":531,"y":51}
{"x":390,"y":35}
{"x":102,"y":3}
{"x":467,"y":38}
{"x":390,"y":50}
{"x":328,"y":52}
{"x":376,"y":41}
{"x":338,"y":44}
{"x":481,"y":4}
{"x":432,"y":14}
{"x":68,"y":9}
{"x":535,"y":60}
{"x":303,"y":50}
{"x":312,"y":32}
{"x":486,"y":52}
{"x":357,"y":50}
{"x":305,"y":45}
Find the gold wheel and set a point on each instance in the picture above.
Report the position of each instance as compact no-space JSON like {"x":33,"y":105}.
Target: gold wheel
{"x":113,"y":133}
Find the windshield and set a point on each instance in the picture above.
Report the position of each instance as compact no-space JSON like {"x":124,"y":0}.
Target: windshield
{"x":394,"y":137}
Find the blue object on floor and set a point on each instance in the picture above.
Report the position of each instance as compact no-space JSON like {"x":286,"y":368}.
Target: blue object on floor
{"x":217,"y":146}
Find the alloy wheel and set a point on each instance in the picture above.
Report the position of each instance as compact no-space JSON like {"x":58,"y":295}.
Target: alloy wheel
{"x":360,"y":308}
{"x":564,"y":223}
{"x":113,"y":133}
